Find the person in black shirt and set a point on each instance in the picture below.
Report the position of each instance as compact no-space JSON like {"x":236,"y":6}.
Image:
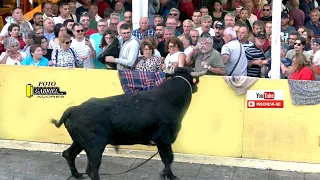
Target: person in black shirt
{"x":218,"y":41}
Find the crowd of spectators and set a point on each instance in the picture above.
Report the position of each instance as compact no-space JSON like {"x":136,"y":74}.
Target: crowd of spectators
{"x":228,"y":37}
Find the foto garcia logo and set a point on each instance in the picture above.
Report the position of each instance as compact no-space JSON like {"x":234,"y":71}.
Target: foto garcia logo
{"x":45,"y":89}
{"x":265,"y":99}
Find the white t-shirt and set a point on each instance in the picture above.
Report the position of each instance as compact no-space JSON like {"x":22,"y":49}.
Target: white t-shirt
{"x":59,"y":19}
{"x":12,"y":61}
{"x":83,"y":50}
{"x":316,"y":59}
{"x":172,"y":58}
{"x":211,"y":32}
{"x":188,"y":50}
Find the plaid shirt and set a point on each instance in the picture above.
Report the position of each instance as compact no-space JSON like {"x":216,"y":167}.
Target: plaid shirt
{"x":133,"y":81}
{"x":140,"y":36}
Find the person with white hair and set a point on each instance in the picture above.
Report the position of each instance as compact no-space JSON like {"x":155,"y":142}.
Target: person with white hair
{"x":233,"y":54}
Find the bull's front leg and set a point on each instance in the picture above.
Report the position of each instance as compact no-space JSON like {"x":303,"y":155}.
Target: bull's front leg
{"x":166,"y":155}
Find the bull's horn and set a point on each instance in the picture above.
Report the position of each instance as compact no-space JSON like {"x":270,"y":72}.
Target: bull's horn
{"x":168,"y":71}
{"x":198,"y":74}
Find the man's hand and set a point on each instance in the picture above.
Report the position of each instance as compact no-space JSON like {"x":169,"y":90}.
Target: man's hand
{"x":110,"y":59}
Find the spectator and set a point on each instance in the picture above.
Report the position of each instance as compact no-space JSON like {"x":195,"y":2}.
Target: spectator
{"x":297,"y":16}
{"x":314,"y":23}
{"x":299,"y":46}
{"x":11,"y":56}
{"x":206,"y":58}
{"x":186,"y":42}
{"x":187,"y":26}
{"x":206,"y":23}
{"x":148,"y":62}
{"x":84,"y":8}
{"x":243,"y":34}
{"x":175,"y":57}
{"x":302,"y":68}
{"x":229,"y":20}
{"x":59,"y":29}
{"x":194,"y":34}
{"x":110,"y":47}
{"x":144,"y":30}
{"x":218,"y":41}
{"x":217,"y":14}
{"x":95,"y":40}
{"x":233,"y":54}
{"x":129,"y":49}
{"x":47,"y":10}
{"x":255,"y":55}
{"x":168,"y":32}
{"x":127,"y":16}
{"x":37,"y":19}
{"x":48,"y":29}
{"x":65,"y":56}
{"x":29,"y":40}
{"x":64,"y":14}
{"x":267,"y":13}
{"x":36,"y":57}
{"x":286,"y":29}
{"x":43,"y":42}
{"x":16,"y":18}
{"x":196,"y":18}
{"x":85,"y":21}
{"x":39,"y":30}
{"x":82,"y":46}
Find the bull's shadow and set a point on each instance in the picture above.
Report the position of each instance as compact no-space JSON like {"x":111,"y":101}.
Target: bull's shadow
{"x":146,"y":117}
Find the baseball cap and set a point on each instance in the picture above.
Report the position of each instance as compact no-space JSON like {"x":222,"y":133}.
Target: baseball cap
{"x":284,"y":15}
{"x":261,"y":35}
{"x":219,"y":24}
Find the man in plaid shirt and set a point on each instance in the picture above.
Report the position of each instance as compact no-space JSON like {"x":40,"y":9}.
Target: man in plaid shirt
{"x":144,"y":30}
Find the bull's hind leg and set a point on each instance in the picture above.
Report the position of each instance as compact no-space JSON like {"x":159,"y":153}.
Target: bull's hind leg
{"x":94,"y":150}
{"x":166,"y":155}
{"x":70,"y":154}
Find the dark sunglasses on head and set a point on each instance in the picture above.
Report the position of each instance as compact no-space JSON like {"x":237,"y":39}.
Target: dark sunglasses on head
{"x":298,"y":44}
{"x":68,"y":42}
{"x":266,"y":9}
{"x":81,"y":30}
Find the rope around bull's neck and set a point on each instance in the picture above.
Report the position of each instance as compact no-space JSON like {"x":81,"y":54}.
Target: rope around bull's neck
{"x":187,"y":82}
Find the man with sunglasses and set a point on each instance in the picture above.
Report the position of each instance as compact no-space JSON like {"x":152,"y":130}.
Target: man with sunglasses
{"x":267,"y":13}
{"x":82,"y":46}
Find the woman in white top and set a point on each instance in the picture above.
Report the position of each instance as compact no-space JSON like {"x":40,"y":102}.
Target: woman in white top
{"x":315,"y":46}
{"x":11,"y":56}
{"x":176,"y":56}
{"x":59,"y":29}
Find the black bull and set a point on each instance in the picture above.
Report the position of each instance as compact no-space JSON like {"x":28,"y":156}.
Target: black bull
{"x":137,"y":118}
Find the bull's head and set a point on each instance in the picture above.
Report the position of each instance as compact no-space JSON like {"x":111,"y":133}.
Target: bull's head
{"x":188,"y":74}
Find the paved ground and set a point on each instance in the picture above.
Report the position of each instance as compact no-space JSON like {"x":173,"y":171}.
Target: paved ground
{"x":36,"y":165}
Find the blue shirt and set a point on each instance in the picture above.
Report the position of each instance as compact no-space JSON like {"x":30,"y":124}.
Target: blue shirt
{"x":28,"y":61}
{"x":95,"y":40}
{"x":48,"y":36}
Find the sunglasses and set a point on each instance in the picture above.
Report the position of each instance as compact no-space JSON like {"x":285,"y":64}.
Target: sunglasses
{"x":173,"y":14}
{"x":298,"y":44}
{"x":68,"y":42}
{"x":81,"y":30}
{"x":266,"y":9}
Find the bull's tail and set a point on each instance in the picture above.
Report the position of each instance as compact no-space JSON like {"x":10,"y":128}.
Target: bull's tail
{"x":64,"y":117}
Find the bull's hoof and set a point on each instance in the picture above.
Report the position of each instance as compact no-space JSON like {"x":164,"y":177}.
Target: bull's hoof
{"x":170,"y":177}
{"x":77,"y":175}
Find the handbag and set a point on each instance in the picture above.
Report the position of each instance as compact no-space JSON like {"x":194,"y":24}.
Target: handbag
{"x":237,"y":61}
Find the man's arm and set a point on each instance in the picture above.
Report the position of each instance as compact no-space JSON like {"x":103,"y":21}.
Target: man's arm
{"x":132,"y":55}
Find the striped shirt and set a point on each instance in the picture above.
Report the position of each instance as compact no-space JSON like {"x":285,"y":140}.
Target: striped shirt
{"x":83,"y":51}
{"x":254,"y":53}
